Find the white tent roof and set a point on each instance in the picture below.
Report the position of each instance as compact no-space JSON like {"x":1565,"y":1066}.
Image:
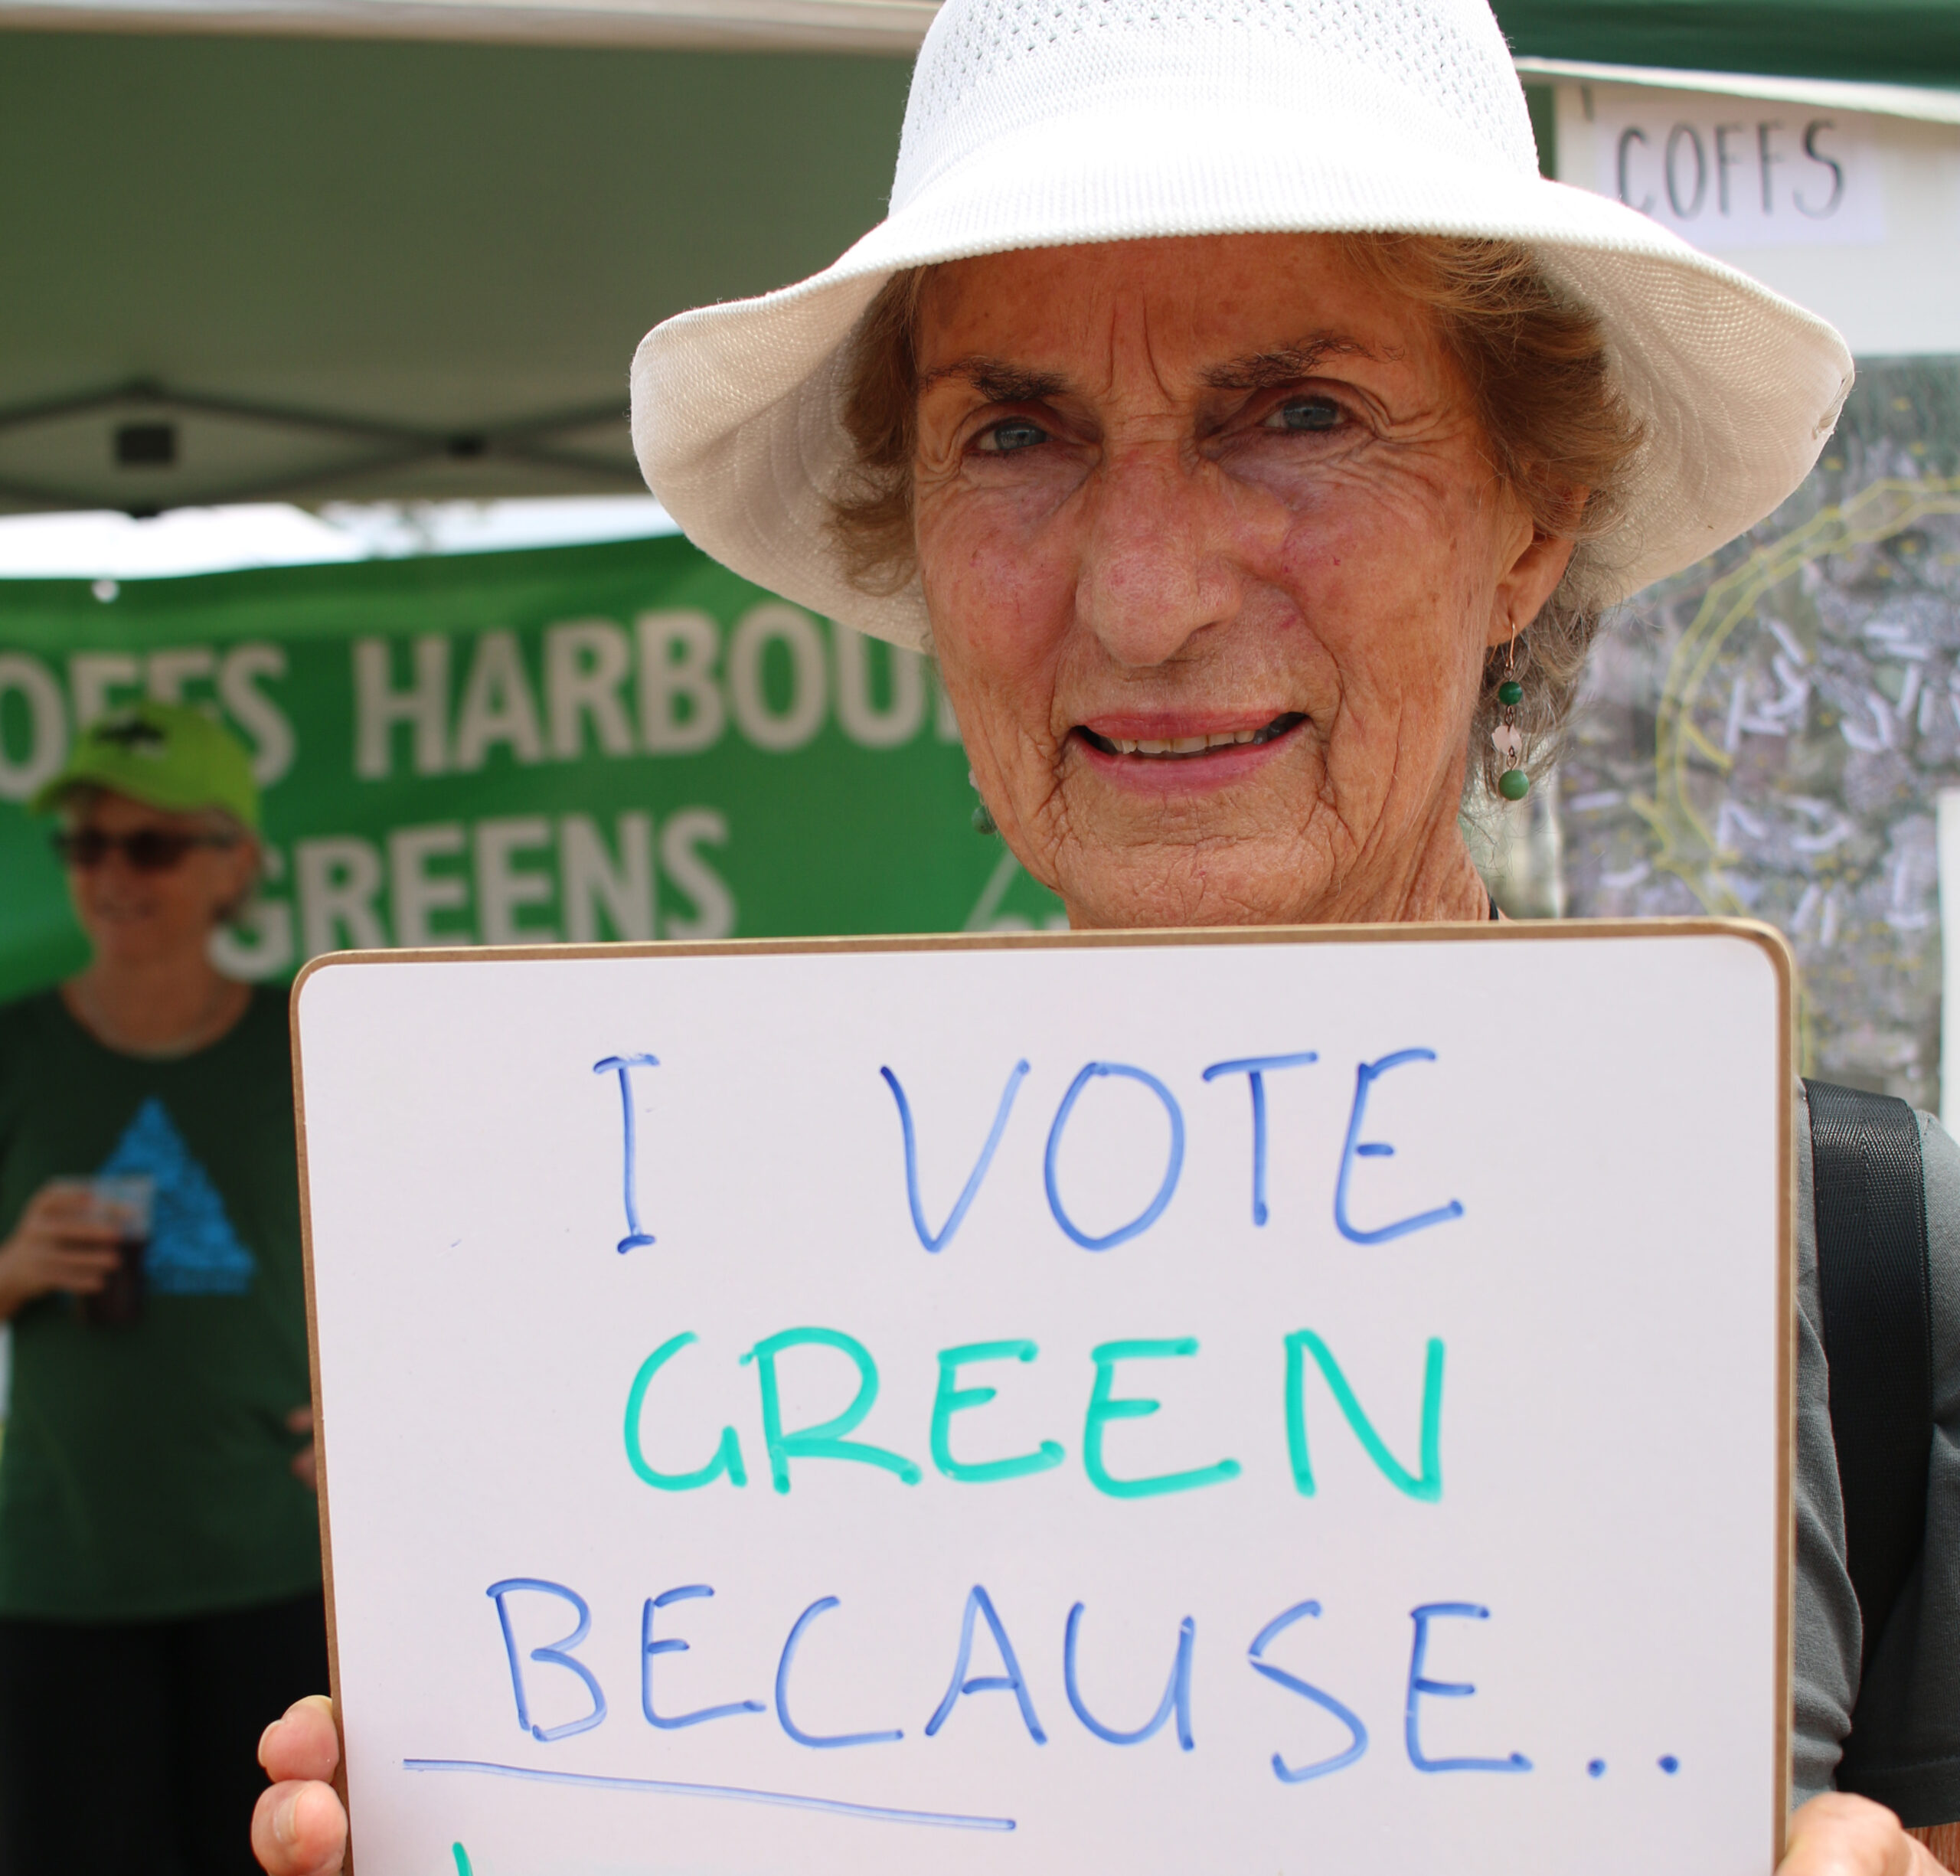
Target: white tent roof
{"x":876,"y":26}
{"x":322,"y":264}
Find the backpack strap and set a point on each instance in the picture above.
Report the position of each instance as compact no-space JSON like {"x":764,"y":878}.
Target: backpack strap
{"x":1869,"y":1186}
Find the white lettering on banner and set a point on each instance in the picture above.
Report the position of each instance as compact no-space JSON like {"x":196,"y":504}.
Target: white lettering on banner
{"x":378,"y":707}
{"x":495,"y":882}
{"x":24,"y":767}
{"x":1733,"y":173}
{"x":680,"y":841}
{"x":415,"y":893}
{"x":259,"y":945}
{"x":586,"y":662}
{"x":98,"y":682}
{"x":503,"y":887}
{"x":94,"y":678}
{"x":165,"y":674}
{"x":678,"y":651}
{"x":857,"y":716}
{"x":670,"y":665}
{"x":777,"y":623}
{"x":498,"y":707}
{"x":340,"y":879}
{"x":274,"y":745}
{"x":168,"y":674}
{"x":591,"y":879}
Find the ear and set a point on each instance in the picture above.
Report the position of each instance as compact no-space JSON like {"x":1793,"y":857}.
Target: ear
{"x":1530,"y":580}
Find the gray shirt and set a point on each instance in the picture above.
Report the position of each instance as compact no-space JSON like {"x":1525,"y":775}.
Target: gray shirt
{"x":1918,"y":1667}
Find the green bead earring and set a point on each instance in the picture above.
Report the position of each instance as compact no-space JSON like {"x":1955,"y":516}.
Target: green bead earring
{"x":1507,"y":739}
{"x":984,"y":823}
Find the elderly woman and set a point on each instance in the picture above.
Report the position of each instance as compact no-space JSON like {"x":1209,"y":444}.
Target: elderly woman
{"x":1254,"y":440}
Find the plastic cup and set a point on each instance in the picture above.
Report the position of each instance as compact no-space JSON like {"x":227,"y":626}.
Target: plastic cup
{"x":126,"y":1201}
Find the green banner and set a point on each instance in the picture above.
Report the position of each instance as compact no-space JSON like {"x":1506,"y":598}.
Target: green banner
{"x":622,"y":741}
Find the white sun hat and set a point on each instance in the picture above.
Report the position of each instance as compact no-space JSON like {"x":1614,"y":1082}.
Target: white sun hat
{"x":1040,"y":123}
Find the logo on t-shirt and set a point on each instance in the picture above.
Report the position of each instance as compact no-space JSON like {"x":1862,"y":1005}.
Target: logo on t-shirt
{"x":193,"y":1249}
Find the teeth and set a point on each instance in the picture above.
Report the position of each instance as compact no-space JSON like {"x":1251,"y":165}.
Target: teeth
{"x":1197,"y":745}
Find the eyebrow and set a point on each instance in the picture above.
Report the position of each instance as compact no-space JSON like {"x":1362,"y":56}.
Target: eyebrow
{"x":998,"y":381}
{"x":1284,"y":364}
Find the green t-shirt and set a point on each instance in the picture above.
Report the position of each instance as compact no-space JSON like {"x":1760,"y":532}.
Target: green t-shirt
{"x":145,"y":1472}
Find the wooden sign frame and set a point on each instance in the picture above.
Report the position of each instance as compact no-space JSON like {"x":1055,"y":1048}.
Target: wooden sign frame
{"x":1766,"y":938}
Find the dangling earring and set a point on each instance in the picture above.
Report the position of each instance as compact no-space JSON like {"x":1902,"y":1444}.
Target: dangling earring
{"x":1507,"y":739}
{"x":983,"y":819}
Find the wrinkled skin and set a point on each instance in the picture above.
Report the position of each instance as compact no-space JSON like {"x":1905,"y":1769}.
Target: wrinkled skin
{"x":1181,"y":488}
{"x":1178,"y":488}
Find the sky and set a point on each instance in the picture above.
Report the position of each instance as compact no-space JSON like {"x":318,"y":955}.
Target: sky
{"x":107,"y":545}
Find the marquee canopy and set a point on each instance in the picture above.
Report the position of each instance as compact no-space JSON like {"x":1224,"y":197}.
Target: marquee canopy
{"x":241,"y":267}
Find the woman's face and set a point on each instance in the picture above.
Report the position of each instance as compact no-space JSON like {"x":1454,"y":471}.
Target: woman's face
{"x":147,"y":916}
{"x":1212,"y":550}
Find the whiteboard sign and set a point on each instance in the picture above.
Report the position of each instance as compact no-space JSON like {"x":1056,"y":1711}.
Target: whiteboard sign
{"x":1272,"y":1403}
{"x":1729,"y":172}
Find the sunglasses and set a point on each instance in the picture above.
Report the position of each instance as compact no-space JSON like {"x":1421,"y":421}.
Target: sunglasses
{"x":149,"y":850}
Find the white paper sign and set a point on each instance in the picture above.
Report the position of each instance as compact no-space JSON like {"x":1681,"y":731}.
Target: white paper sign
{"x":1276,"y":1403}
{"x":1726,"y":172}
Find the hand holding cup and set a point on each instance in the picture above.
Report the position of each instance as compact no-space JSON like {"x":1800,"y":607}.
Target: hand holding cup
{"x":68,"y":1239}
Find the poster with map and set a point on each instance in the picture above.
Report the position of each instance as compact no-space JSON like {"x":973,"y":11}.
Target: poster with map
{"x":1768,"y":734}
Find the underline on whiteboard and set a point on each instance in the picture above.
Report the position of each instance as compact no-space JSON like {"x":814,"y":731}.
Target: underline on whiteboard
{"x":877,"y":1813}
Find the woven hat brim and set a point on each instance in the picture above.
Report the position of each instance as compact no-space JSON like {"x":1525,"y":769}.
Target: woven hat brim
{"x":735,"y":406}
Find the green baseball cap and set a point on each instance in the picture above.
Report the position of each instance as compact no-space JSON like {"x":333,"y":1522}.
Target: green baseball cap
{"x":167,"y":755}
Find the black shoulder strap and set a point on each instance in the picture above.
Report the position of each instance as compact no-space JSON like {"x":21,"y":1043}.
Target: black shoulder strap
{"x":1872,"y":1269}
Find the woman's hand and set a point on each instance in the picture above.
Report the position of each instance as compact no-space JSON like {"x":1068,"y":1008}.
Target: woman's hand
{"x":299,"y":1828}
{"x":1837,"y":1835}
{"x":62,"y":1242}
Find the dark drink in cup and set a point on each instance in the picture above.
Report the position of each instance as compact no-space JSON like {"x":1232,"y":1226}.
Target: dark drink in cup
{"x":124,"y":1202}
{"x":120,"y":1299}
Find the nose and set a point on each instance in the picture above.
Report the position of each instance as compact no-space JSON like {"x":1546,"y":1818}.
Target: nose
{"x":114,"y":870}
{"x":1157,"y":567}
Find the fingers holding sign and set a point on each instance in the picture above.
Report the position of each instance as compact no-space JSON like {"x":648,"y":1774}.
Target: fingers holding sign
{"x":1837,"y":1835}
{"x":299,"y":1828}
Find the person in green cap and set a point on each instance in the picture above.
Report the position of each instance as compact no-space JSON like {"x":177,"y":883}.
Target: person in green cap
{"x":159,"y":1543}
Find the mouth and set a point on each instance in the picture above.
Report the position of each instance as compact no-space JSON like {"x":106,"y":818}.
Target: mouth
{"x":1192,"y":747}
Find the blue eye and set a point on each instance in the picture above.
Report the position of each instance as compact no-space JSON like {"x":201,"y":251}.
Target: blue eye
{"x":1014,"y":433}
{"x":1306,"y":413}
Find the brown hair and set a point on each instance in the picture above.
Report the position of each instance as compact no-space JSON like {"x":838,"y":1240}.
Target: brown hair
{"x":1535,"y":360}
